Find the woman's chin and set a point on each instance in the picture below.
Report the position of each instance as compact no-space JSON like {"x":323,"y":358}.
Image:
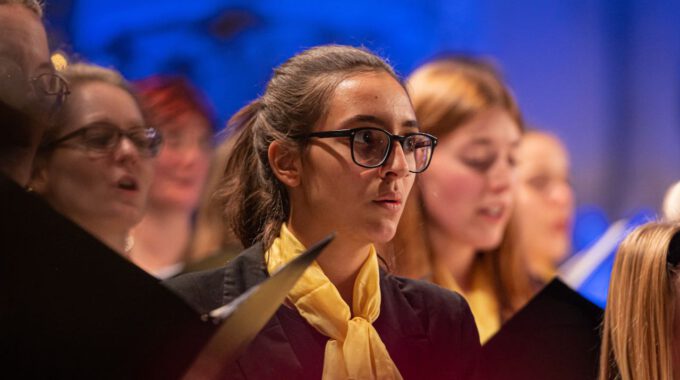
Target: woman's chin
{"x":488,"y":243}
{"x":383,"y":233}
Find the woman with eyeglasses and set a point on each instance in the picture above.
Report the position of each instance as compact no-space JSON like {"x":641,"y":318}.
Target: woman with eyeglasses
{"x":333,"y":146}
{"x":457,"y":214}
{"x":95,"y":164}
{"x":641,"y":334}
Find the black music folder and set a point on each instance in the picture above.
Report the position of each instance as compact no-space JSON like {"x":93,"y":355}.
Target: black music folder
{"x":555,"y":336}
{"x":70,"y":307}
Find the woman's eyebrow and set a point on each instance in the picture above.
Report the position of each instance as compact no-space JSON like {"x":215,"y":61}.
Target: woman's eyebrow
{"x":365,"y":119}
{"x":45,"y":65}
{"x":411,"y":124}
{"x":376,"y":120}
{"x":482,"y":141}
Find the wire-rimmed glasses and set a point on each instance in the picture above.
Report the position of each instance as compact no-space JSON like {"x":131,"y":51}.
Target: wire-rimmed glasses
{"x":104,"y":138}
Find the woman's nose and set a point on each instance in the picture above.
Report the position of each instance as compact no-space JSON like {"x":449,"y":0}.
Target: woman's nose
{"x":396,"y":163}
{"x":502,"y":176}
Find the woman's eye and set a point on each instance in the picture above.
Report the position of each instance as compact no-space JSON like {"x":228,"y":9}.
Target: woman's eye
{"x":98,"y":137}
{"x":479,"y":164}
{"x":172,"y":139}
{"x":366,"y":137}
{"x":539,"y":183}
{"x":410,"y":144}
{"x":98,"y":140}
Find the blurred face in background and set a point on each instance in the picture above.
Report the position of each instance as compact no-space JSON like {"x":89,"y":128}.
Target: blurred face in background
{"x":467,"y":190}
{"x":23,"y":45}
{"x":544,"y":202}
{"x":24,"y":61}
{"x":181,"y":168}
{"x":97,"y":187}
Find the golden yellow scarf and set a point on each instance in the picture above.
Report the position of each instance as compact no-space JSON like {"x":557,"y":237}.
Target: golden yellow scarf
{"x":354,"y":350}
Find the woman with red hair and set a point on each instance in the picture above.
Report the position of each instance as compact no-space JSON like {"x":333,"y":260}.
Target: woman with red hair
{"x":176,"y":108}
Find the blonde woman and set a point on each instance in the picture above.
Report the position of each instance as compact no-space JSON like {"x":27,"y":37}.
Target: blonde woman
{"x":95,"y":164}
{"x":544,"y":205}
{"x":640,"y":320}
{"x":459,"y":209}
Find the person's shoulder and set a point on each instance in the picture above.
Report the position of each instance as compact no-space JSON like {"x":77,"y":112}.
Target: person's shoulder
{"x":202,"y":290}
{"x":209,"y":289}
{"x":447,"y":321}
{"x":424,"y":294}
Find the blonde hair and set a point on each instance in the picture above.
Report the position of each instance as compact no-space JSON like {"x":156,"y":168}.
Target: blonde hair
{"x":446,"y":93}
{"x":638,"y":320}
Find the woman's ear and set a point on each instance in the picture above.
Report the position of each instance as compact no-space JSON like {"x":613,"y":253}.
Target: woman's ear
{"x":285,"y":164}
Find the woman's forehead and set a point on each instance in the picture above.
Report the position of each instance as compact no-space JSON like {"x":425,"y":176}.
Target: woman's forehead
{"x":374,"y":97}
{"x":90,"y":101}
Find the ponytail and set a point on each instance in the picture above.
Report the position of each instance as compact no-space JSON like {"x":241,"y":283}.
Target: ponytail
{"x":255,"y":201}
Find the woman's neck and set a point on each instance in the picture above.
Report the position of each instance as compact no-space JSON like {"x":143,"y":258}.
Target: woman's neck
{"x":111,"y":234}
{"x":160,"y":239}
{"x":340,"y":261}
{"x":540,"y":267}
{"x":455,"y":256}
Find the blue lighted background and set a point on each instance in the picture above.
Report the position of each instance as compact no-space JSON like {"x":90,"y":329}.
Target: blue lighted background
{"x":603,"y":75}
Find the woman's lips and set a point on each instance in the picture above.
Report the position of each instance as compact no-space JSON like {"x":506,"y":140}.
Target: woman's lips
{"x":493,"y":214}
{"x":127,"y":183}
{"x":389,"y":204}
{"x":561,"y":226}
{"x":390,"y":201}
{"x":184,"y":181}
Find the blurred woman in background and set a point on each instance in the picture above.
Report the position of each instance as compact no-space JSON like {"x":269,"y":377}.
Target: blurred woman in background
{"x":544,"y":205}
{"x":162,"y":238}
{"x":457,"y":214}
{"x":95,"y":165}
{"x":213,"y":243}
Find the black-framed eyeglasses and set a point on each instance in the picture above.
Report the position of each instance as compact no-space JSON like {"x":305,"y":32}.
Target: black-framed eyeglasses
{"x":105,"y":137}
{"x":371,"y":146}
{"x":53,"y":85}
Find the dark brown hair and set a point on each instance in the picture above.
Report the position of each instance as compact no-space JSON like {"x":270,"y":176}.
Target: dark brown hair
{"x":255,"y":202}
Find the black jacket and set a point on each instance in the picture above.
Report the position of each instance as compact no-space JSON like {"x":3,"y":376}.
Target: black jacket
{"x":429,"y":332}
